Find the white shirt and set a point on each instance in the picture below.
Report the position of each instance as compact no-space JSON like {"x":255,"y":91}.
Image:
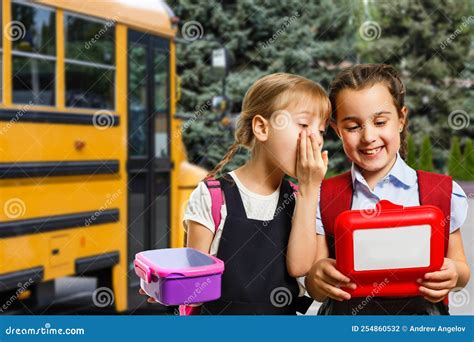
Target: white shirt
{"x":257,"y":207}
{"x":400,"y":186}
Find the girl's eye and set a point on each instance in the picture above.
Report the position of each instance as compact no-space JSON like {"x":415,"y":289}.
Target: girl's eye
{"x":380,"y":123}
{"x":303,"y":125}
{"x":353,"y":128}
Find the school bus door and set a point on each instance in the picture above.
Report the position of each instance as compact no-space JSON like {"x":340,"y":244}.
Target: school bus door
{"x":149,"y":164}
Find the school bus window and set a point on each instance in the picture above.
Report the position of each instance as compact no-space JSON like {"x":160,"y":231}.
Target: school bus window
{"x":162,"y":209}
{"x":1,"y":74}
{"x":161,"y":68}
{"x":138,"y":139}
{"x":89,"y":87}
{"x":33,"y":54}
{"x":1,"y":55}
{"x":161,"y":80}
{"x":90,"y":62}
{"x":161,"y":136}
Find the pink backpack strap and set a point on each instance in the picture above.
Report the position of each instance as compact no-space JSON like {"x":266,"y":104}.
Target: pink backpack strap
{"x":217,"y":200}
{"x":293,"y":186}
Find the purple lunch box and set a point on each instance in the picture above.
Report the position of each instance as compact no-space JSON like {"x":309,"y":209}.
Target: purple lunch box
{"x":176,"y":276}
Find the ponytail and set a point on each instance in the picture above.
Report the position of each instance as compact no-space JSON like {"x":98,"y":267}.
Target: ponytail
{"x":225,"y":160}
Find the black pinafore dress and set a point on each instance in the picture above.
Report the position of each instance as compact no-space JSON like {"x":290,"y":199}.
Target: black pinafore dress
{"x":256,"y":280}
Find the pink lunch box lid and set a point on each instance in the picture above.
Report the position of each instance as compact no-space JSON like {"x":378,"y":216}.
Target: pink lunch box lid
{"x":176,"y":263}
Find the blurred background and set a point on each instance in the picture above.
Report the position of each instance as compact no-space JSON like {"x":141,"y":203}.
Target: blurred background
{"x":112,"y":111}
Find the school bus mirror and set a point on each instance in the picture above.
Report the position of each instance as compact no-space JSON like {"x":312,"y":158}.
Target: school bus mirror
{"x":219,"y":62}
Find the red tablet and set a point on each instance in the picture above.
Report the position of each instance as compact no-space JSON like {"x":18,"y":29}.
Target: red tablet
{"x":386,"y":249}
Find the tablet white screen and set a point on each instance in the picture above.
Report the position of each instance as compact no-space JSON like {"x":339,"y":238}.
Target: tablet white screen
{"x":386,"y":248}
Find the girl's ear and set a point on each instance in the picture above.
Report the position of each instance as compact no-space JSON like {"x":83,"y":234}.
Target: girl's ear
{"x":260,"y":127}
{"x":403,"y":117}
{"x":334,"y":127}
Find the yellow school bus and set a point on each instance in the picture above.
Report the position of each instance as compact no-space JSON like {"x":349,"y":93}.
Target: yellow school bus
{"x":92,"y":167}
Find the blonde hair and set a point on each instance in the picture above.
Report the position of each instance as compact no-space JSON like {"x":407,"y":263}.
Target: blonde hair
{"x":267,"y":95}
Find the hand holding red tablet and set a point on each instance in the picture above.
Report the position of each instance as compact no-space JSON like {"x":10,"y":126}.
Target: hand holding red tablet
{"x":329,"y":280}
{"x":435,"y":286}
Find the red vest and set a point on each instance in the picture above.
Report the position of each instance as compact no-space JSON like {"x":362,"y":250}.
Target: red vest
{"x":336,"y":197}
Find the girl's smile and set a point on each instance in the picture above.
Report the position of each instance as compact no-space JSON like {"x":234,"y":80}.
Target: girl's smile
{"x":372,"y":152}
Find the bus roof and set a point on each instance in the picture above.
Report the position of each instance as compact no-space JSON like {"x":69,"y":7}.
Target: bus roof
{"x":152,"y":16}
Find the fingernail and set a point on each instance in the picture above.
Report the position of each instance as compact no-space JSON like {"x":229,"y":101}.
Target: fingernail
{"x":418,"y":280}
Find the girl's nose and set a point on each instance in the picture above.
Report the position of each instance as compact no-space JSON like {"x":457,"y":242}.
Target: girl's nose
{"x":368,"y":133}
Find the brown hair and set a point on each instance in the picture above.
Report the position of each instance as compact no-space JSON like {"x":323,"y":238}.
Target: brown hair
{"x":267,"y":95}
{"x":361,"y":76}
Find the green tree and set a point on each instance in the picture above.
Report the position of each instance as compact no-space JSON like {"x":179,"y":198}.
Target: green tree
{"x":411,"y":152}
{"x":455,"y":168}
{"x":426,"y":155}
{"x":429,"y":43}
{"x":468,"y":160}
{"x":310,"y":39}
{"x":323,"y":38}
